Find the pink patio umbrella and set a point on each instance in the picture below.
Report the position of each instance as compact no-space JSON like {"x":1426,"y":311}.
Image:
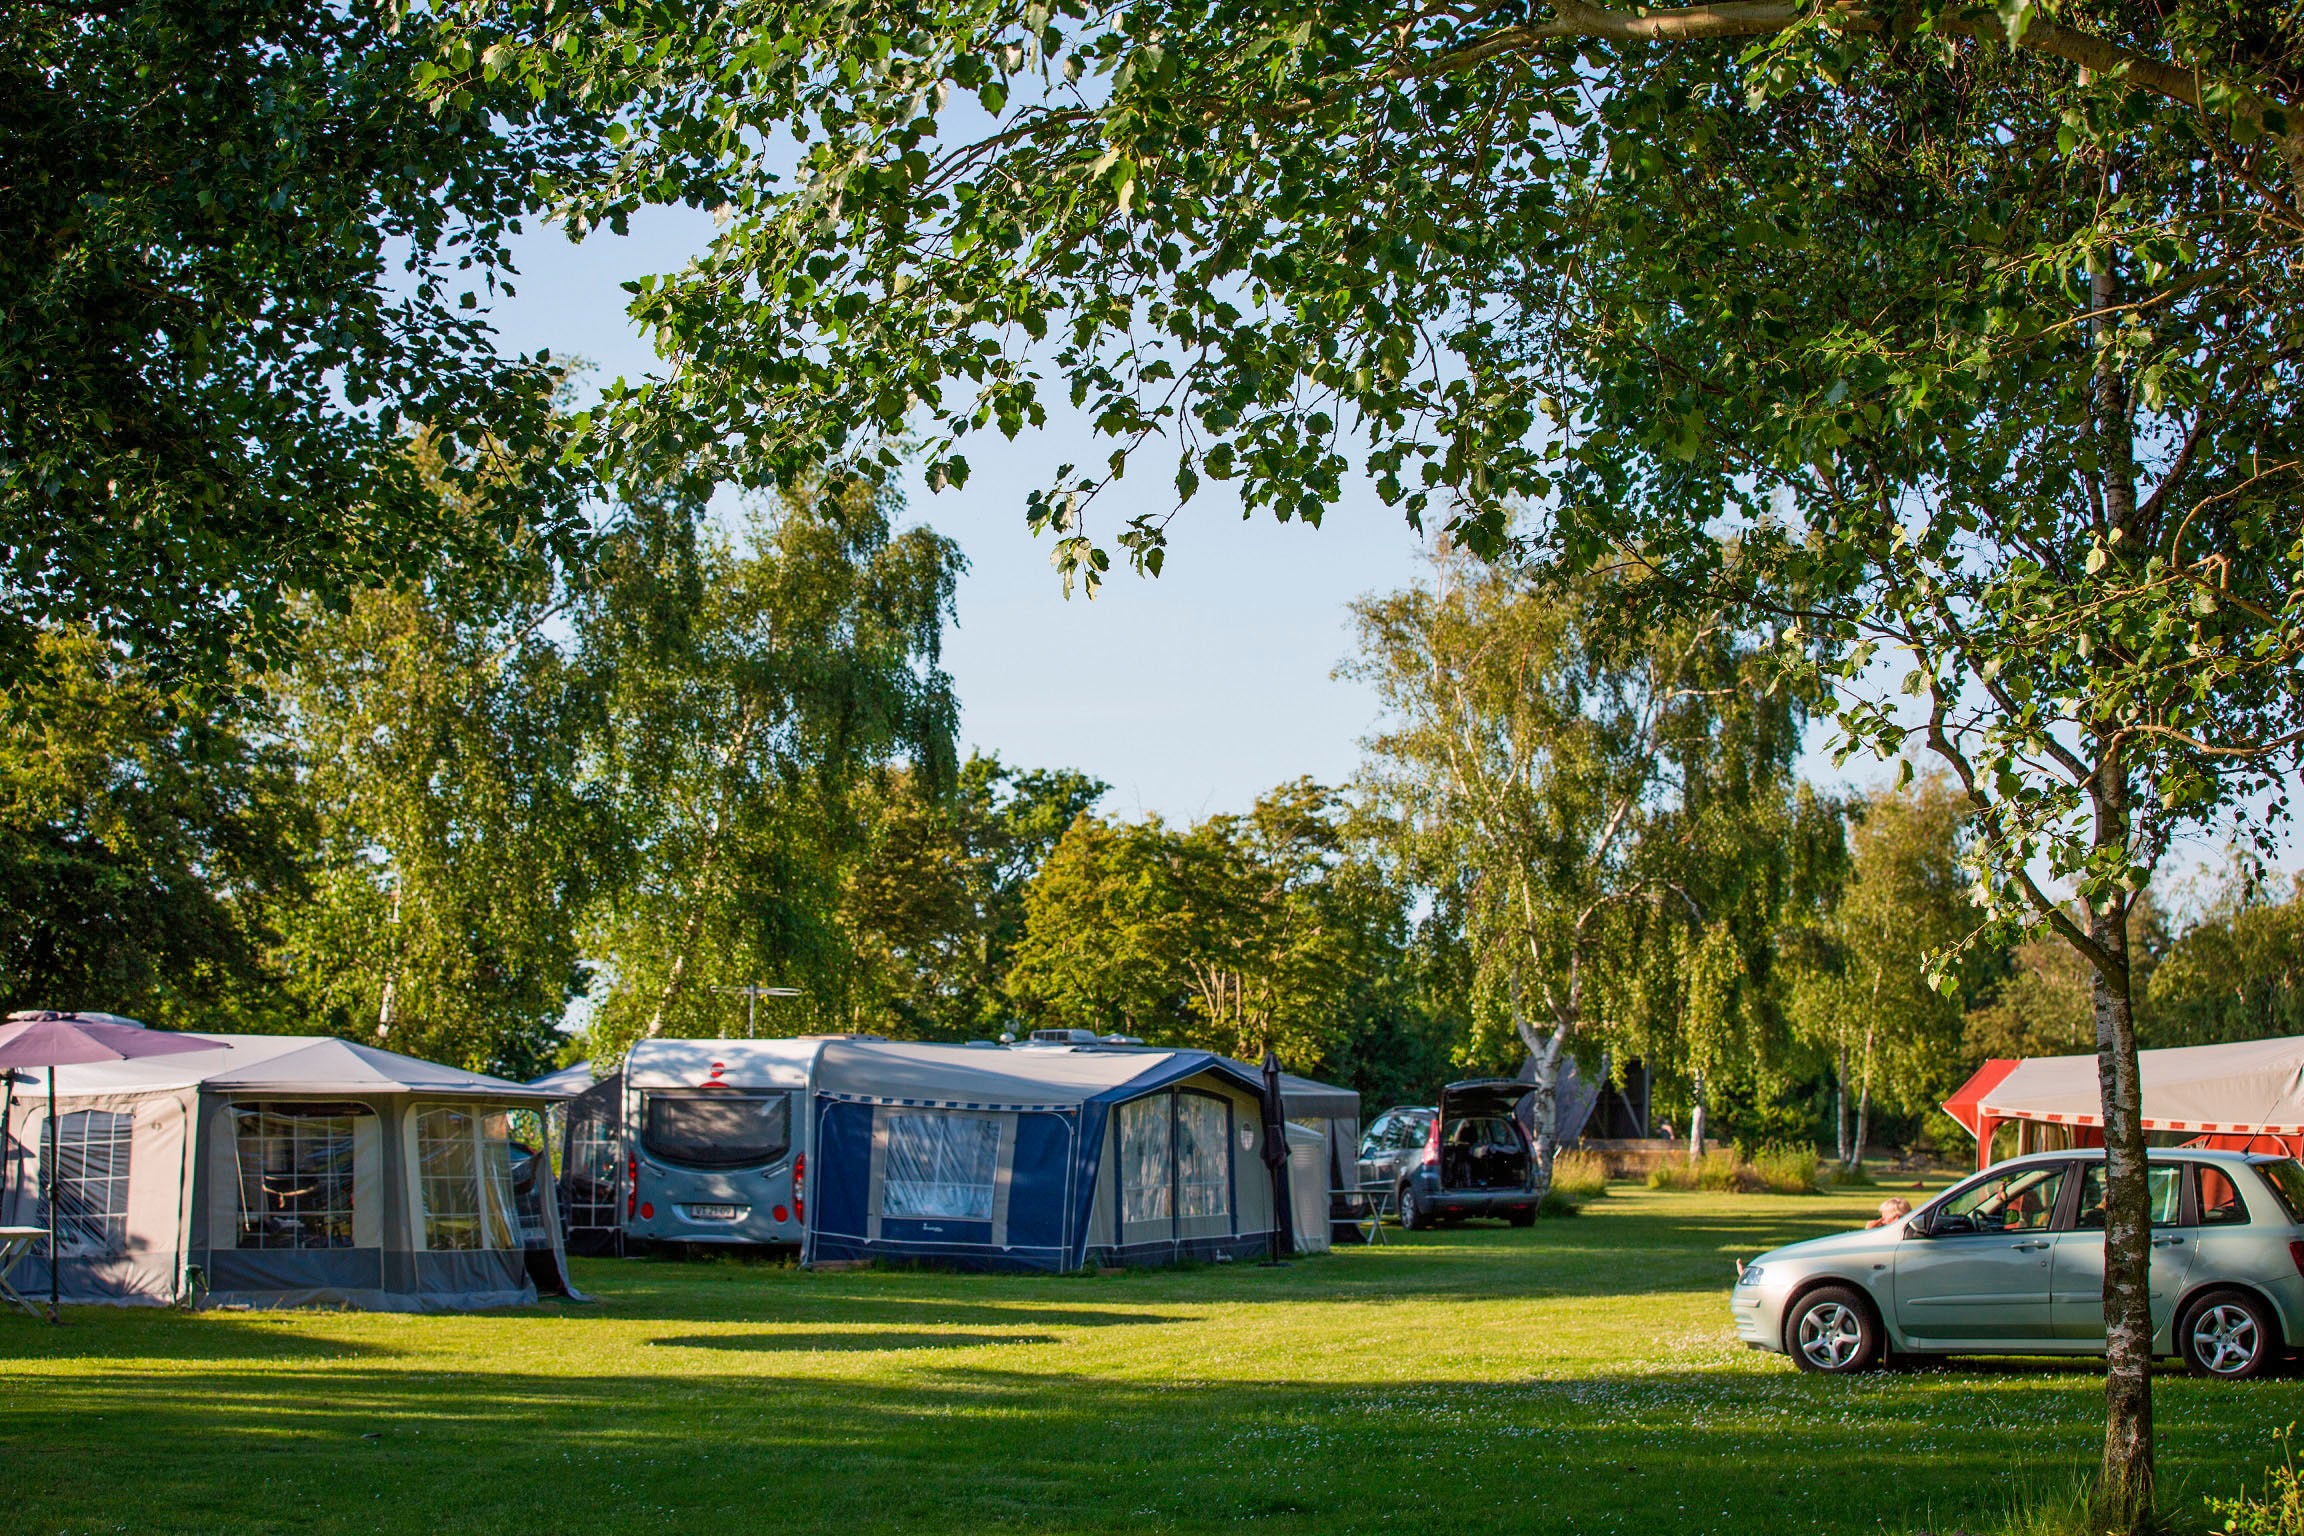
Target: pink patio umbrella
{"x":52,"y":1040}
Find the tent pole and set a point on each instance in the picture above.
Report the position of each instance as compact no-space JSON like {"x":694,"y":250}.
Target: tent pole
{"x":55,"y":1255}
{"x":7,"y":1140}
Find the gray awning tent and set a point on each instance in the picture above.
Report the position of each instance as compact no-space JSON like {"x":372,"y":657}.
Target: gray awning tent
{"x":1033,"y":1158}
{"x":568,"y":1080}
{"x":292,"y":1170}
{"x":1326,"y":1108}
{"x":588,"y":1128}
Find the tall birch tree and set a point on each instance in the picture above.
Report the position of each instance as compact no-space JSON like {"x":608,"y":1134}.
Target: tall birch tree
{"x":1561,"y":771}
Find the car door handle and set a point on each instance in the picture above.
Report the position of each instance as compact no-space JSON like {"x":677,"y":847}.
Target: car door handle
{"x":2028,"y":1247}
{"x":2167,"y":1242}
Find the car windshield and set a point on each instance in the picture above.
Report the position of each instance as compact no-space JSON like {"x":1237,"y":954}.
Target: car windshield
{"x":2287,"y":1180}
{"x":2019,"y":1200}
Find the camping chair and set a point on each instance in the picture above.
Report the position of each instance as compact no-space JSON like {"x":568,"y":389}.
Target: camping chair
{"x":15,"y":1243}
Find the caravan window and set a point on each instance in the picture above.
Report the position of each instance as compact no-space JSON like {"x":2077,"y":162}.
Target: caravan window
{"x":464,"y":1173}
{"x":716,"y":1127}
{"x":940,"y":1164}
{"x":295,"y":1173}
{"x":1147,"y":1160}
{"x":1203,"y":1156}
{"x":92,"y":1181}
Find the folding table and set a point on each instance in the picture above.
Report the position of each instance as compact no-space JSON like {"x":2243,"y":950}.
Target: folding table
{"x":15,"y":1243}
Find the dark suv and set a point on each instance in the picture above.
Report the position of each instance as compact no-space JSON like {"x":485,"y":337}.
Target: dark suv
{"x":1466,"y":1156}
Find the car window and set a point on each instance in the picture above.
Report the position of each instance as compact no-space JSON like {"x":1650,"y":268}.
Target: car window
{"x":1411,"y":1131}
{"x":2219,"y":1196}
{"x":2167,"y":1182}
{"x":2020,"y":1200}
{"x":2287,"y":1180}
{"x":1377,"y":1138}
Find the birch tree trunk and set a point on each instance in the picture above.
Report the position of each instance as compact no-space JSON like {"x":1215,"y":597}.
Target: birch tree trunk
{"x":1696,"y":1125}
{"x":387,"y":1006}
{"x":1544,"y":1100}
{"x":1855,"y":1157}
{"x":1840,"y":1105}
{"x":2126,"y":1489}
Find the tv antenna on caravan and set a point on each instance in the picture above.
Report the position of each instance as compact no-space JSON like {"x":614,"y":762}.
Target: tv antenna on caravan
{"x":752,"y":995}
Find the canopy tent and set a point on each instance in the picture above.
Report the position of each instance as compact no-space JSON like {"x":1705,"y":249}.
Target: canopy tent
{"x":1033,"y":1158}
{"x":2247,"y":1096}
{"x":291,"y":1170}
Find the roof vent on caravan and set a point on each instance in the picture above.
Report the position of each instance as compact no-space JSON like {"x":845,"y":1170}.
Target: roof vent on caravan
{"x":1064,"y":1037}
{"x":1119,"y":1040}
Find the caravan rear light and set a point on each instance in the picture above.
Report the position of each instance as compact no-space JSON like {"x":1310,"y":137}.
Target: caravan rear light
{"x":647,"y":1211}
{"x":800,"y":1187}
{"x":632,"y":1198}
{"x":783,"y":1214}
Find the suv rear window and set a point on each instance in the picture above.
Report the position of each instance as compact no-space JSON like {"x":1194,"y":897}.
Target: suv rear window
{"x":1487,"y":1131}
{"x":716,"y":1127}
{"x":2287,"y":1180}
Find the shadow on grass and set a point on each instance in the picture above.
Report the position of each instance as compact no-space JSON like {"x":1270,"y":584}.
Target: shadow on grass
{"x":850,"y":1343}
{"x":129,"y":1334}
{"x":846,"y":1302}
{"x":939,"y":1447}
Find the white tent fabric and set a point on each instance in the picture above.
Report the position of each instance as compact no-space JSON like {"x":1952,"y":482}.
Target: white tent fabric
{"x":290,"y":1170}
{"x":2255,"y":1087}
{"x":1308,"y":1188}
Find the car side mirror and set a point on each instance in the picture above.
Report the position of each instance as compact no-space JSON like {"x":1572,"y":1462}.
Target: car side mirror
{"x":1916,"y":1227}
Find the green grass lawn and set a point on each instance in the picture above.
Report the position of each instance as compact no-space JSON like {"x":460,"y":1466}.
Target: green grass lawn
{"x":1579,"y":1376}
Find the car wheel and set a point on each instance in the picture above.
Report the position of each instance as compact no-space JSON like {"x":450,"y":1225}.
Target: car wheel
{"x":2229,"y":1335}
{"x":1833,"y":1331}
{"x":1413,"y":1216}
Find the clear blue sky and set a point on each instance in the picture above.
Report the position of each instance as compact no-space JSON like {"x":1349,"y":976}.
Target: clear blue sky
{"x":1188,"y":694}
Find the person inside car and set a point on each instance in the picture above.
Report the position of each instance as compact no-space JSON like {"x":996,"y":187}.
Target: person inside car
{"x":1892,"y":1210}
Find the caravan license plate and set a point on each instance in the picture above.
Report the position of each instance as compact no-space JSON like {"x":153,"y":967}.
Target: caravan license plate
{"x":715,"y":1212}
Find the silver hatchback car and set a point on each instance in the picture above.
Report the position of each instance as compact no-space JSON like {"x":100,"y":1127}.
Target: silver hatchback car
{"x":2012,"y":1262}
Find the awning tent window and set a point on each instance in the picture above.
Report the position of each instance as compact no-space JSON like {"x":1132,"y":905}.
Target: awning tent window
{"x":1203,"y":1156}
{"x":531,"y":1156}
{"x":594,"y":1173}
{"x":941,"y":1165}
{"x":464,"y":1173}
{"x":92,"y":1182}
{"x":296,"y":1173}
{"x":1147,"y":1160}
{"x":716,"y":1127}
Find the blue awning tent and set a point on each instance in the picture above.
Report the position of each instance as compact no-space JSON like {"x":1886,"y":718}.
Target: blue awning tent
{"x":1033,"y":1158}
